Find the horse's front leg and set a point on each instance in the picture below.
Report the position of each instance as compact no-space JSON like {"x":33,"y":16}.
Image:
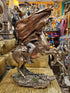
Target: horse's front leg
{"x":20,"y":72}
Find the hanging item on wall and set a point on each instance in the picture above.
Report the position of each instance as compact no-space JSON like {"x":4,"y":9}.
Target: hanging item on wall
{"x":58,"y":13}
{"x":50,"y":5}
{"x":53,"y":13}
{"x":56,"y":5}
{"x":66,"y":8}
{"x":42,"y":6}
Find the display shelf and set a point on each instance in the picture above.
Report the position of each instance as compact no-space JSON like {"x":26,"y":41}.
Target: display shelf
{"x":54,"y":38}
{"x":51,"y":31}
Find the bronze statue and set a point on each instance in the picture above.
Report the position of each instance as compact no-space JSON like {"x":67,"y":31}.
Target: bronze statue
{"x":33,"y":43}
